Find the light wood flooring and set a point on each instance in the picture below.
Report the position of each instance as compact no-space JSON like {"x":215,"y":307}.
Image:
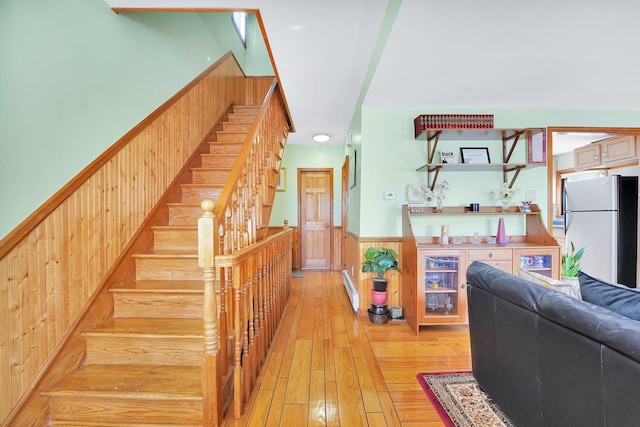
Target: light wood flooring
{"x":327,"y":368}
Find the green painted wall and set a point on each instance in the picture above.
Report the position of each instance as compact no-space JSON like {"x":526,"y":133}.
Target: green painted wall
{"x":297,"y":156}
{"x":75,"y":77}
{"x":389,"y":156}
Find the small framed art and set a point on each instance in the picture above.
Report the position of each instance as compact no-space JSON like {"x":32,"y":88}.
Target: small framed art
{"x":282,"y":180}
{"x":474,"y":155}
{"x":447,"y":157}
{"x":537,"y":146}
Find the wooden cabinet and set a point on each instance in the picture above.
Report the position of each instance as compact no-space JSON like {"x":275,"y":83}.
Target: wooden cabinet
{"x":619,"y":148}
{"x":587,"y":157}
{"x":495,"y":256}
{"x":441,"y":297}
{"x":434,"y":274}
{"x":606,"y":153}
{"x":540,"y":260}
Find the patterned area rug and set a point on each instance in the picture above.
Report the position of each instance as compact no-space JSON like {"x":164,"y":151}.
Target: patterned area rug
{"x":460,"y":402}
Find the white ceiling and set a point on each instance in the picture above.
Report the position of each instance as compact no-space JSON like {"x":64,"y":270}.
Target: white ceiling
{"x":459,"y":53}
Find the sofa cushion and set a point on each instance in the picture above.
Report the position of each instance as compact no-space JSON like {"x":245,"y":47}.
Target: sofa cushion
{"x":532,"y":276}
{"x":618,"y":298}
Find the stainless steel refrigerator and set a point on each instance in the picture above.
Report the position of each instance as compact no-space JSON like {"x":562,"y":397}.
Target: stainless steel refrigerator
{"x":601,"y":214}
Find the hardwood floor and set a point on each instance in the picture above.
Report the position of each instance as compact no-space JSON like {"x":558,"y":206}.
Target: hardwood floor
{"x":327,"y":368}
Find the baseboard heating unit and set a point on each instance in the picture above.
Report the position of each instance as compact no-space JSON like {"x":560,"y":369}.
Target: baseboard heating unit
{"x":352,"y":292}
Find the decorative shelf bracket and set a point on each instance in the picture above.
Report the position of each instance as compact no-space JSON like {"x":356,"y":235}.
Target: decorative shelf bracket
{"x":510,"y":140}
{"x":507,"y":151}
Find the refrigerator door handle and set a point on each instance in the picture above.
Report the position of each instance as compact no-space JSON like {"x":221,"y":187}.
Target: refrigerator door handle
{"x":564,"y":208}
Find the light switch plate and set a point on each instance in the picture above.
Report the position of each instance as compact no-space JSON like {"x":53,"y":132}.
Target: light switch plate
{"x":389,"y":195}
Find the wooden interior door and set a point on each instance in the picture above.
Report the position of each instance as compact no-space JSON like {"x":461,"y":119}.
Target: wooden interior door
{"x":315,"y":217}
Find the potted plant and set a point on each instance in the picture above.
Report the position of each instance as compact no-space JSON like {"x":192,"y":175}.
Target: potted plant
{"x":379,"y":261}
{"x":570,"y":264}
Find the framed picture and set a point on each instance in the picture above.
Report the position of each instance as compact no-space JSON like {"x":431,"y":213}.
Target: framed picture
{"x":282,"y":180}
{"x":537,"y":146}
{"x":415,"y":193}
{"x":474,"y":154}
{"x":353,"y":162}
{"x":447,"y":156}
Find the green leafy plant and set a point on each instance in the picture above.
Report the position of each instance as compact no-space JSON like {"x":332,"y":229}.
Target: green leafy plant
{"x":380,"y":260}
{"x":571,"y":262}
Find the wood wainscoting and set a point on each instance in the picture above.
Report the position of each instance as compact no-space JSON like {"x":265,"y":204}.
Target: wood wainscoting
{"x":56,"y":263}
{"x":356,"y":248}
{"x":336,"y":255}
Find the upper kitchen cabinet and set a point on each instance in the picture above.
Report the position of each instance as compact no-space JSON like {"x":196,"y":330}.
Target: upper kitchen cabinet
{"x":610,"y":152}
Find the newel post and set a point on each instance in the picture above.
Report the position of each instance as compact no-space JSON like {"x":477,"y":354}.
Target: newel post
{"x":211,"y":378}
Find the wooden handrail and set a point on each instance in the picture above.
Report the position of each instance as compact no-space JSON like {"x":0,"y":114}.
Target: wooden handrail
{"x":246,"y":274}
{"x":252,"y":180}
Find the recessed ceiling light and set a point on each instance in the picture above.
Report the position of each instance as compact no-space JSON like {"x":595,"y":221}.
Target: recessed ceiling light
{"x":321,"y":137}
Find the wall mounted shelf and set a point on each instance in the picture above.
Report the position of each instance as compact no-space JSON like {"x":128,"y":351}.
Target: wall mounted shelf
{"x":510,"y":138}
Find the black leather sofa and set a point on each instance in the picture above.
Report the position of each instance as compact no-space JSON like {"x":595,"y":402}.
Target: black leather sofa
{"x":548,"y":359}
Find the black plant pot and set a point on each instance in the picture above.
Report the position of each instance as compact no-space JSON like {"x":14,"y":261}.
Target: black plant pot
{"x":380,"y":285}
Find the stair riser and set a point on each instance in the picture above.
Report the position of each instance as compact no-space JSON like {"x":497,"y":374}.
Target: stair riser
{"x":158,"y":305}
{"x":125,"y":411}
{"x":162,"y":351}
{"x":222,"y":161}
{"x":168,"y":269}
{"x":206,"y":176}
{"x":237,"y":126}
{"x":196,"y":194}
{"x":168,"y":239}
{"x":244,"y":118}
{"x":231,"y":137}
{"x":184,"y":215}
{"x":246,"y":109}
{"x":225,"y":148}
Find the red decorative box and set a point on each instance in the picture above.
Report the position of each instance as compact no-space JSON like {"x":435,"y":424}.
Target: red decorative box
{"x":452,"y":121}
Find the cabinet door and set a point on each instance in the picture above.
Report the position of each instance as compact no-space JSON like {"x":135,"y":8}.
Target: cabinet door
{"x":619,"y":148}
{"x":442,"y":293}
{"x":541,"y":260}
{"x":587,"y":156}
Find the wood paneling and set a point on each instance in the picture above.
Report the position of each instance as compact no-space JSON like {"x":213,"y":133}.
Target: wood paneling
{"x":337,"y":247}
{"x":336,"y":256}
{"x":55,"y":261}
{"x":355,"y":255}
{"x":256,"y":89}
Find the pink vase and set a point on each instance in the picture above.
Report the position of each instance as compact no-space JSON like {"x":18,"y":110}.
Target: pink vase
{"x":378,"y":297}
{"x":501,"y":235}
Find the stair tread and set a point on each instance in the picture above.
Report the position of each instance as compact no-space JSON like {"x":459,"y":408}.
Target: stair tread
{"x":218,"y":155}
{"x":175,"y":227}
{"x":167,"y":254}
{"x":148,"y":327}
{"x":210,"y":168}
{"x":170,"y":286}
{"x":182,"y":204}
{"x":232,"y":132}
{"x":142,"y":382}
{"x":203,"y":185}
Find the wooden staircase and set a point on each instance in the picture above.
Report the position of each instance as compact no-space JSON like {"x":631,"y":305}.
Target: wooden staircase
{"x":143,"y":366}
